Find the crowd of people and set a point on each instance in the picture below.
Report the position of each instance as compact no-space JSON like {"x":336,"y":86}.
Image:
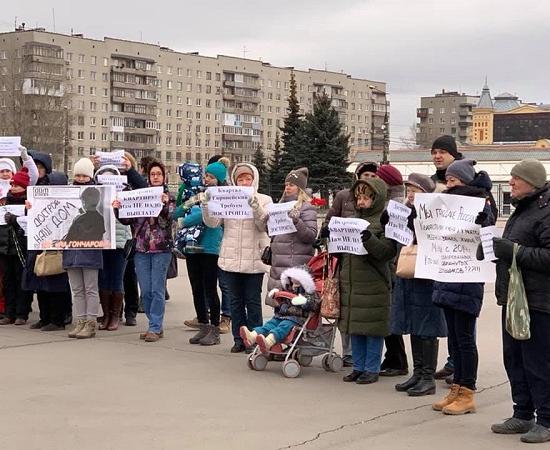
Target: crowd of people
{"x":377,"y":307}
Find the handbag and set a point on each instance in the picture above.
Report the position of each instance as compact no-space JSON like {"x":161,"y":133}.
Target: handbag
{"x":406,"y":262}
{"x":130,"y":245}
{"x":49,"y":263}
{"x":172,"y":267}
{"x":330,"y":293}
{"x":517,"y":309}
{"x":266,"y":256}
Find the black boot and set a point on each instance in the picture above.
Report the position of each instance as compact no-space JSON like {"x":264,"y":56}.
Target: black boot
{"x":426,"y":386}
{"x":416,"y":345}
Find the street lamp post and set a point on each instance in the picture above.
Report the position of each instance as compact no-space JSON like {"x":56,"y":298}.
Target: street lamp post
{"x":66,"y":141}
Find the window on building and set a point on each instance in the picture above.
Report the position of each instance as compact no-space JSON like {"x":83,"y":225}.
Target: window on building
{"x":430,"y":110}
{"x":81,"y":58}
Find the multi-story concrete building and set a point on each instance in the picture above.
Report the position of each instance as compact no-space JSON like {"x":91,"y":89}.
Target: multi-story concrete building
{"x":151,"y":100}
{"x":445,"y":113}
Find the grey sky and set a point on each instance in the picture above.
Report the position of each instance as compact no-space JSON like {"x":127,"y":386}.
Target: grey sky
{"x":417,"y":46}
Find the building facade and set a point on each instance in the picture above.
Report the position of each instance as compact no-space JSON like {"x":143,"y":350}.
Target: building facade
{"x":445,"y":113}
{"x":150,"y":100}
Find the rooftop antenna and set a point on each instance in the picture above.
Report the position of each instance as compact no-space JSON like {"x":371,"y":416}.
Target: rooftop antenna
{"x":325,"y":66}
{"x":53,"y":17}
{"x":141,"y":36}
{"x":245,"y":51}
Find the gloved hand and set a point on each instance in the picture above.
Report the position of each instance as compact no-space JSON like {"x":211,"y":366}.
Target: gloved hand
{"x":294,"y":214}
{"x":481,"y":218}
{"x":410,"y":219}
{"x":299,"y":300}
{"x":503,"y":248}
{"x":191,"y":202}
{"x":207,"y":196}
{"x":384,"y":218}
{"x":253,"y":202}
{"x":272,"y":292}
{"x":324,"y":233}
{"x":480,"y":256}
{"x":24,"y":154}
{"x":11,"y":219}
{"x":365,"y":235}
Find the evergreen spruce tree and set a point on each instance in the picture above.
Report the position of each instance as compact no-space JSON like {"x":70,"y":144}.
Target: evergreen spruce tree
{"x":276,"y":174}
{"x":291,"y":129}
{"x":258,"y":159}
{"x":324,"y":147}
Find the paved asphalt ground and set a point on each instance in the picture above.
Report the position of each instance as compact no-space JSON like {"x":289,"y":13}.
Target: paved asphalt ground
{"x":117,"y":392}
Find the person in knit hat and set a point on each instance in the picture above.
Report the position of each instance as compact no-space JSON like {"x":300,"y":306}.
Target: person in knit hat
{"x":527,"y":362}
{"x":394,"y":181}
{"x":7,"y":168}
{"x":444,"y":152}
{"x":422,"y":183}
{"x":298,"y":177}
{"x":13,"y":253}
{"x":460,"y":172}
{"x":83,"y":171}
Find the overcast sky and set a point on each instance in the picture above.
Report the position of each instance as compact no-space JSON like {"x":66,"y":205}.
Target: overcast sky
{"x":417,"y":46}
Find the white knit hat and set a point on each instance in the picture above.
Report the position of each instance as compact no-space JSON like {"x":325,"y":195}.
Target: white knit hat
{"x":84,"y":166}
{"x":6,"y":163}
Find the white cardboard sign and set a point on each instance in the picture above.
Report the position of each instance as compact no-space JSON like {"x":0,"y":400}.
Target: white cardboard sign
{"x":16,"y":210}
{"x":230,"y":202}
{"x":144,"y":202}
{"x":396,"y":228}
{"x":118,"y":181}
{"x":345,"y":235}
{"x":9,"y":146}
{"x":487,"y":234}
{"x":113,"y":158}
{"x":278,"y":222}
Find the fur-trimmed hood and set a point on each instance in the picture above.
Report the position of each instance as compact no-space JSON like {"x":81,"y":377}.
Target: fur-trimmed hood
{"x":300,"y":274}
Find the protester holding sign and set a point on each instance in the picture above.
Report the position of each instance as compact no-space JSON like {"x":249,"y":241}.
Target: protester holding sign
{"x":414,"y":313}
{"x":202,"y":262}
{"x":13,"y":251}
{"x":240,"y":256}
{"x":296,"y":248}
{"x":111,"y":277}
{"x":153,"y":253}
{"x":461,"y":303}
{"x":365,"y":285}
{"x":527,"y":362}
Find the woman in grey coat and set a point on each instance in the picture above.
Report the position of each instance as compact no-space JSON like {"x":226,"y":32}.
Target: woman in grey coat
{"x":294,"y":249}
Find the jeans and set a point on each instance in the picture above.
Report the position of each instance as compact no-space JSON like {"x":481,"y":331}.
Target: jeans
{"x":84,"y":287}
{"x":18,"y":301}
{"x":280,"y":328}
{"x":367,"y":352}
{"x":226,"y":299}
{"x":527,"y":365}
{"x":202,"y":270}
{"x":131,"y":292}
{"x":462,"y":345}
{"x":151,"y":270}
{"x":245,"y":292}
{"x":395,"y":357}
{"x":111,"y":277}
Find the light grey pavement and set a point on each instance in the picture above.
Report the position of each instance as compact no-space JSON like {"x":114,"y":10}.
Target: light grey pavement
{"x":116,"y":392}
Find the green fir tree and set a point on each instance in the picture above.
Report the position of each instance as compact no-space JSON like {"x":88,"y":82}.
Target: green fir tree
{"x":290,"y":131}
{"x":259,"y":160}
{"x":276,"y":172}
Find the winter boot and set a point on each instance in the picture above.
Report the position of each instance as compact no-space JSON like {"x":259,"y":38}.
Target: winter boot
{"x":213,"y":336}
{"x":203,"y":331}
{"x":416,"y":346}
{"x":225,"y":324}
{"x":88,"y":331}
{"x":513,"y":425}
{"x":77,"y":328}
{"x":116,"y":309}
{"x":248,"y":337}
{"x":130,"y":319}
{"x":265,"y":343}
{"x":463,"y":404}
{"x":193,"y":323}
{"x":105,"y":300}
{"x":536,"y":435}
{"x":449,"y":398}
{"x":426,"y":385}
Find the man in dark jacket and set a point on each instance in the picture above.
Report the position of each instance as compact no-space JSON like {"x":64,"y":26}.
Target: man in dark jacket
{"x":527,"y":362}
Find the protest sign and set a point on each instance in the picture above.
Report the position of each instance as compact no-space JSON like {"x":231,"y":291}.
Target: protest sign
{"x":113,"y":158}
{"x":71,"y":218}
{"x":487,"y":234}
{"x":278,"y":221}
{"x":448,"y":237}
{"x":9,"y":146}
{"x":16,"y":210}
{"x":22,"y":221}
{"x":5,"y":186}
{"x":396,"y":228}
{"x":230,"y":202}
{"x":345,"y":235}
{"x":118,"y":181}
{"x":144,"y":202}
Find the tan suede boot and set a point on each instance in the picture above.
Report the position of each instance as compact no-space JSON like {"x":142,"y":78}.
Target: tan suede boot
{"x":449,"y":398}
{"x":77,"y":328}
{"x":463,"y":404}
{"x":88,"y":331}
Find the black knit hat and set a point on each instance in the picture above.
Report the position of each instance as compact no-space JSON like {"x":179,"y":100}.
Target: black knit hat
{"x":448,"y":144}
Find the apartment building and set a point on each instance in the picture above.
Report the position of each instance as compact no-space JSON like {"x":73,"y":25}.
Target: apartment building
{"x":445,"y":113}
{"x":151,"y":100}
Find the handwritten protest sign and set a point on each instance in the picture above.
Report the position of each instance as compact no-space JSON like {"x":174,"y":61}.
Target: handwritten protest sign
{"x":278,"y":221}
{"x":71,"y":218}
{"x":118,"y":181}
{"x":396,"y":228}
{"x":144,"y":202}
{"x":16,"y":210}
{"x":114,"y":158}
{"x":9,"y":146}
{"x":487,"y":234}
{"x":22,"y":221}
{"x":448,"y":237}
{"x":230,"y":202}
{"x":345,"y":235}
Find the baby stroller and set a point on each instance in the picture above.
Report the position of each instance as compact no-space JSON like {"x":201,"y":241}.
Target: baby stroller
{"x":314,"y":338}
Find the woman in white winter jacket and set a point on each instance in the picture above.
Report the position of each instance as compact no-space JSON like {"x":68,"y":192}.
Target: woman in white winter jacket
{"x":240,"y":256}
